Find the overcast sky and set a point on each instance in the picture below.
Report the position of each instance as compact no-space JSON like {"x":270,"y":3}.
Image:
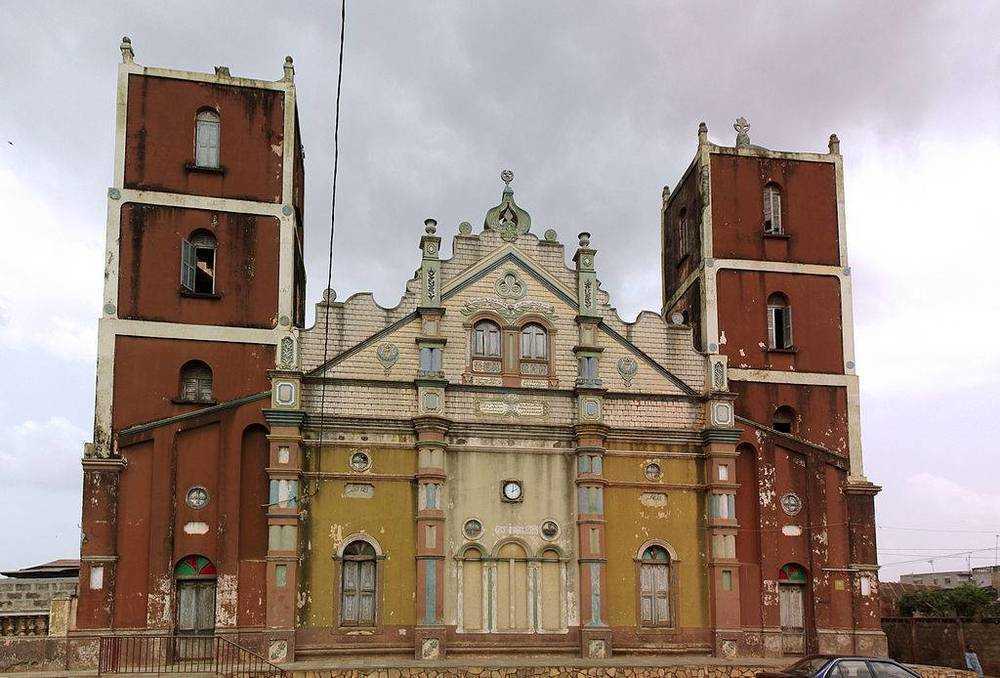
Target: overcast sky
{"x":595,"y":106}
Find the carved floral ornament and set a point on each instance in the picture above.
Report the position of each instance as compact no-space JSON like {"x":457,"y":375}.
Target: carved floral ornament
{"x":510,"y":286}
{"x":791,"y":503}
{"x":627,"y":368}
{"x":508,"y":310}
{"x":287,"y":352}
{"x":387,"y":355}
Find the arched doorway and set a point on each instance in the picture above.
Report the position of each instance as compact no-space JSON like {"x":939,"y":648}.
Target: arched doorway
{"x":792,"y":582}
{"x":195,"y":623}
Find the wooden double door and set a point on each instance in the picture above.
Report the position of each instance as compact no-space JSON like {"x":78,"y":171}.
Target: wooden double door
{"x":195,"y":618}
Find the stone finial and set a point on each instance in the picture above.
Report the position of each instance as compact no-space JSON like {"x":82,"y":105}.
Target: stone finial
{"x":666,"y":195}
{"x":289,"y":69}
{"x":128,"y":56}
{"x":702,"y":133}
{"x":223,"y":71}
{"x":834,"y":145}
{"x":465,"y":228}
{"x":742,"y":128}
{"x":430,"y":226}
{"x":329,"y":295}
{"x":550,"y":235}
{"x":506,"y":177}
{"x":584,"y":239}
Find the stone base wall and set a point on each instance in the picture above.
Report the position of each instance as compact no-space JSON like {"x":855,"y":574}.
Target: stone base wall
{"x":487,"y":671}
{"x":944,"y":641}
{"x":32,"y":653}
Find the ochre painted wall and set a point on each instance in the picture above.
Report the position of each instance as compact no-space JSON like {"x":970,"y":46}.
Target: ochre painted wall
{"x":388,"y":518}
{"x":630,"y":524}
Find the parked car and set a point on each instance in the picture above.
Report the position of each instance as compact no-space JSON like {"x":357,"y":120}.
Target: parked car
{"x":837,"y":666}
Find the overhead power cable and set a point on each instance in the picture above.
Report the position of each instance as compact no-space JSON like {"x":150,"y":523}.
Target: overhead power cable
{"x":333,"y":222}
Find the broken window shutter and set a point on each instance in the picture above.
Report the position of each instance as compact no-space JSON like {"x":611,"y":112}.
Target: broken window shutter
{"x":771,"y":338}
{"x":188,"y":262}
{"x":786,"y":319}
{"x":775,"y":210}
{"x":768,"y":215}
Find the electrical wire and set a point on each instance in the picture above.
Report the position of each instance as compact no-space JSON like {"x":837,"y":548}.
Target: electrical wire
{"x":333,"y":218}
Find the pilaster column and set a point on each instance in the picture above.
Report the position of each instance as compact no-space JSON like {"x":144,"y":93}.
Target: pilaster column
{"x":719,"y":439}
{"x":99,"y":547}
{"x":431,"y":428}
{"x":868,"y":636}
{"x":430,"y":526}
{"x":285,"y":419}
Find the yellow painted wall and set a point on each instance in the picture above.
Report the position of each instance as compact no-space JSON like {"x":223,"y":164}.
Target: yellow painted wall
{"x":630,"y":524}
{"x":388,"y":517}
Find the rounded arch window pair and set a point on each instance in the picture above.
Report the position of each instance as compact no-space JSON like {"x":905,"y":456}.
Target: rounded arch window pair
{"x":534,"y":344}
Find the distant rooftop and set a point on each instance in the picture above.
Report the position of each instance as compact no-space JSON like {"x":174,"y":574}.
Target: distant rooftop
{"x":65,"y":567}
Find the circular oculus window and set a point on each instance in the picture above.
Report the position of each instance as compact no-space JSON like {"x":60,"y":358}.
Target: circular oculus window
{"x":653,"y":471}
{"x":791,"y":503}
{"x":360,"y":461}
{"x":473,"y":529}
{"x":197,"y":497}
{"x":550,"y":529}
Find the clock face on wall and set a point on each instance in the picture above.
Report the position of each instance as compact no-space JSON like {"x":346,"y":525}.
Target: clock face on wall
{"x":511,"y":490}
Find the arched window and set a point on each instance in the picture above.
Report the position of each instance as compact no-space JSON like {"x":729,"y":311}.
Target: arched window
{"x":784,"y":419}
{"x":772,"y":209}
{"x":206,"y":139}
{"x":654,"y":587}
{"x":196,"y":382}
{"x":486,"y":339}
{"x":512,"y":589}
{"x":534,"y":342}
{"x":472,"y":590}
{"x":198,"y":263}
{"x":357,"y":585}
{"x":779,"y":321}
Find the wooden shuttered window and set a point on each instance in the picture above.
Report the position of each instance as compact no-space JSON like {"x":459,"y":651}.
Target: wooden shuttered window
{"x":772,"y":209}
{"x":188,"y":265}
{"x":358,"y":585}
{"x":779,"y":322}
{"x":196,"y":382}
{"x":654,"y":587}
{"x":206,"y":139}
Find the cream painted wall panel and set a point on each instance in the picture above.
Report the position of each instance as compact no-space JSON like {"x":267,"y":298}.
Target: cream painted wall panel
{"x":474,"y":480}
{"x":361,"y":401}
{"x":639,"y":413}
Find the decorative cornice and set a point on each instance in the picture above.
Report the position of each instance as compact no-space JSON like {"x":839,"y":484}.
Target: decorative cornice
{"x":721,"y":435}
{"x":285,"y":417}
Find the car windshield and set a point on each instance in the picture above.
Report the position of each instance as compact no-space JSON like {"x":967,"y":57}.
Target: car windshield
{"x":808,"y":666}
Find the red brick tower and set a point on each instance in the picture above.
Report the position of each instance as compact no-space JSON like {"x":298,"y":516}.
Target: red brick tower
{"x":204,"y":282}
{"x":755,"y":259}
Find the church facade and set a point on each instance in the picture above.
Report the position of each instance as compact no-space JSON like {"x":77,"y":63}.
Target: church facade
{"x":499,"y":463}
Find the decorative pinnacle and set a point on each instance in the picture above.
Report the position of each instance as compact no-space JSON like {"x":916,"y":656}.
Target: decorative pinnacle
{"x":584,"y":239}
{"x":834,"y":145}
{"x":430,"y":226}
{"x":506,"y":177}
{"x":742,"y":128}
{"x":128,"y":56}
{"x":289,"y":69}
